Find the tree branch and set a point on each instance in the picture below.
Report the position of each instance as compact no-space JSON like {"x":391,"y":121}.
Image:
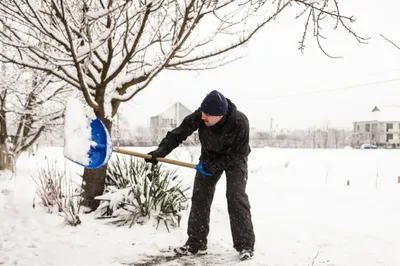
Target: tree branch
{"x":394,"y":44}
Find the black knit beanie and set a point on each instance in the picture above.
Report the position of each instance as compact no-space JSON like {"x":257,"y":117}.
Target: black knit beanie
{"x":214,"y":104}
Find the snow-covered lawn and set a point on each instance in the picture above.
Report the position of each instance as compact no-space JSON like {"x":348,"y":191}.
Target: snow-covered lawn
{"x":303,"y":212}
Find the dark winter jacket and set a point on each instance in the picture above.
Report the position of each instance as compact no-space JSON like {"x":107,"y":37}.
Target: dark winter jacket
{"x":226,"y":143}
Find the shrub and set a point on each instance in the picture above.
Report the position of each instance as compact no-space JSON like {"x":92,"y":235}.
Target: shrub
{"x":57,"y":193}
{"x":136,"y":191}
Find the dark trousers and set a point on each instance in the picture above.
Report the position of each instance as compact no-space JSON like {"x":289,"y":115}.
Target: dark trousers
{"x":238,"y":208}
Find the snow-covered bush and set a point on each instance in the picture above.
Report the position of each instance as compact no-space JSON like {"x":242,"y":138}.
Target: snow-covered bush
{"x":57,"y":193}
{"x":136,"y":192}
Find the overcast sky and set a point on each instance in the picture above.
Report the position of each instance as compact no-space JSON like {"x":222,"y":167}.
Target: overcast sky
{"x":265,"y":83}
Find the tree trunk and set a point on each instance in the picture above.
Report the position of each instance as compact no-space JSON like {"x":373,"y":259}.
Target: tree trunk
{"x":94,"y":181}
{"x":93,"y":185}
{"x":6,"y":161}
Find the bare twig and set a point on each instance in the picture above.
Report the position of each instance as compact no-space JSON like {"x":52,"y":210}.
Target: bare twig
{"x":394,"y":44}
{"x":314,"y":259}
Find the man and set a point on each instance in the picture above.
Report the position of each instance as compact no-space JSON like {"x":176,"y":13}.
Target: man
{"x":224,"y":137}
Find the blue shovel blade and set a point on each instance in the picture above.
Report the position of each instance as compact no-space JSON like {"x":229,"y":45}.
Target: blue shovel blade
{"x":100,"y":153}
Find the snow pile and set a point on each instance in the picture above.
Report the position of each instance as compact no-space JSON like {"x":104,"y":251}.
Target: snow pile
{"x":77,"y":131}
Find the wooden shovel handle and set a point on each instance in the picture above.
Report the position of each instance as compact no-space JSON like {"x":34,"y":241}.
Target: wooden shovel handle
{"x":160,"y":159}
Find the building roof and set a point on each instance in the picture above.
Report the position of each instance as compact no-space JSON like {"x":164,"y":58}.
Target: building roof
{"x":162,"y":108}
{"x":382,"y":114}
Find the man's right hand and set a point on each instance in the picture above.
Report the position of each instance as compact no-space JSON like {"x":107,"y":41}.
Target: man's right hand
{"x":154,"y":155}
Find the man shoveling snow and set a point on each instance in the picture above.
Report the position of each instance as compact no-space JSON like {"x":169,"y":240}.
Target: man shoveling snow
{"x":224,"y":136}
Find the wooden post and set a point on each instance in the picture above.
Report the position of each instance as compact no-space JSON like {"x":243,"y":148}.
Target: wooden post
{"x":398,"y":180}
{"x":348,"y":182}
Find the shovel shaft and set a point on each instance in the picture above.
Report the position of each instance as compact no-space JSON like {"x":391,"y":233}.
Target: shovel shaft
{"x":160,"y":159}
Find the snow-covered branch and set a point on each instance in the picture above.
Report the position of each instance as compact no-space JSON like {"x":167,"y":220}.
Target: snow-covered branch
{"x":111,"y":50}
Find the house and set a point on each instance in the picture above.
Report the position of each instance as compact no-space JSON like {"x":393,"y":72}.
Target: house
{"x":168,"y":120}
{"x":380,"y":127}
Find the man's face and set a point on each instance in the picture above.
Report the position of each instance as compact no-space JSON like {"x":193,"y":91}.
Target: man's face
{"x":210,"y":120}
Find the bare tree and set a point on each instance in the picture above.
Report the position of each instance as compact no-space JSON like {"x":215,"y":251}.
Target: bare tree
{"x":142,"y":135}
{"x":6,"y":79}
{"x":312,"y":136}
{"x":30,"y":104}
{"x":193,"y":152}
{"x":324,"y":132}
{"x":111,"y":50}
{"x":337,"y":136}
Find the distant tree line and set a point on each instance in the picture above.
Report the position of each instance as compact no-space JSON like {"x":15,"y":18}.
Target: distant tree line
{"x":323,"y":137}
{"x":314,"y":137}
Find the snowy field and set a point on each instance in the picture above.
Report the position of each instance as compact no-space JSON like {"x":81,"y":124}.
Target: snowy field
{"x":304,"y":214}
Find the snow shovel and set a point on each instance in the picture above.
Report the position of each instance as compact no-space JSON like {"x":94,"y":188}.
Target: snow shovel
{"x":100,"y":149}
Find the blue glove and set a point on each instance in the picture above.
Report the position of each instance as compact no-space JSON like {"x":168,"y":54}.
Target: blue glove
{"x":209,"y":168}
{"x":200,"y":168}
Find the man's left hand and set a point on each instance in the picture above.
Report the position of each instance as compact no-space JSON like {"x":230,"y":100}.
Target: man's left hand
{"x":208,"y":168}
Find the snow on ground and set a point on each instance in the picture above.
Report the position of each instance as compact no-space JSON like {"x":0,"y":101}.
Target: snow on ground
{"x":303,"y":212}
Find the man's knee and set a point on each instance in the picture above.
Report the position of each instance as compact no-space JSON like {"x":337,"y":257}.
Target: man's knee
{"x":236,"y":192}
{"x":236,"y":186}
{"x":236,"y":195}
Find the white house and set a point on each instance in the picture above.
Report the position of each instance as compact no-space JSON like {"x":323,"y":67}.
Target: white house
{"x":168,"y":120}
{"x":381,"y":127}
